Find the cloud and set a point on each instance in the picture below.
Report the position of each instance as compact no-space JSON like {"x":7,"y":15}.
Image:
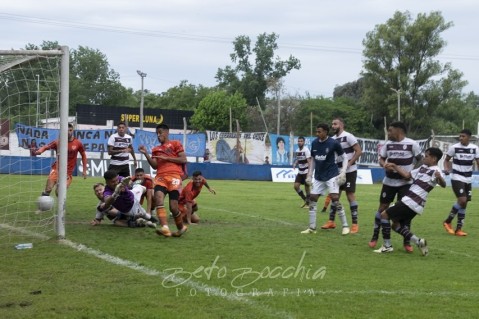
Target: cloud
{"x":189,"y":40}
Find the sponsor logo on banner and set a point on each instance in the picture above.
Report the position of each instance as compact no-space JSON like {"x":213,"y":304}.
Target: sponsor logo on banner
{"x":284,"y":174}
{"x":287,"y":175}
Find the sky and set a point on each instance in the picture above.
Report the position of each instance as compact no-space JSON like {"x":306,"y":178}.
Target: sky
{"x":175,"y":40}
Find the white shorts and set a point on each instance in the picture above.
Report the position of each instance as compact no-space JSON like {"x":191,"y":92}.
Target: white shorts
{"x":322,"y":188}
{"x":137,"y":190}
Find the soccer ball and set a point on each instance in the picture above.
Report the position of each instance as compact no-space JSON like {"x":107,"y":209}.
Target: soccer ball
{"x":45,"y":203}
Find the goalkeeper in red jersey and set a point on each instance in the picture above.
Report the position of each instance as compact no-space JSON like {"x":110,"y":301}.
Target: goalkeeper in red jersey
{"x":75,"y":146}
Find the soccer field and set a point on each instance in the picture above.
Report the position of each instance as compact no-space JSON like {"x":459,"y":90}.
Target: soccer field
{"x":247,"y":259}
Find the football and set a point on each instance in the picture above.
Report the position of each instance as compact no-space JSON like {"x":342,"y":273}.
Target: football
{"x":45,"y":203}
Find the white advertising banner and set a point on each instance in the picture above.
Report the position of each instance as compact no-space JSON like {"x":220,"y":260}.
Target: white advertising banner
{"x":287,"y":175}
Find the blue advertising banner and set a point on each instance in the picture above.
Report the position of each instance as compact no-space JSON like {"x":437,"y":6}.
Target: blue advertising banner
{"x":195,"y":143}
{"x":97,"y":140}
{"x":93,"y":140}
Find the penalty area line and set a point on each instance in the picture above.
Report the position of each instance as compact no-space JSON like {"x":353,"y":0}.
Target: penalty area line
{"x":210,"y":290}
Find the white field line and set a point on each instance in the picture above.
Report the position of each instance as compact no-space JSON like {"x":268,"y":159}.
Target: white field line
{"x":250,"y":215}
{"x":210,"y":290}
{"x":312,"y":293}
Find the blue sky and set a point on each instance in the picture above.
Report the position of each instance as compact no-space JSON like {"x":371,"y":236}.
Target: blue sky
{"x":189,"y":40}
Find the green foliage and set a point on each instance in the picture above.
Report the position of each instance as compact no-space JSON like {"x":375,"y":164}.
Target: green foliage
{"x":253,"y":79}
{"x":323,"y":110}
{"x":400,"y":55}
{"x":92,"y":81}
{"x":184,"y":96}
{"x":213,"y":112}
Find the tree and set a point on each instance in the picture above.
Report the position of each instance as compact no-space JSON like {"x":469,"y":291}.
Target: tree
{"x":252,"y":79}
{"x":400,"y":56}
{"x":184,"y":96}
{"x":353,"y":90}
{"x":322,"y":110}
{"x":213,"y":112}
{"x":92,"y":81}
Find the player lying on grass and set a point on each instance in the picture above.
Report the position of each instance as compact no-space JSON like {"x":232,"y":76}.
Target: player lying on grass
{"x":121,"y":204}
{"x":425,"y":178}
{"x":187,"y":203}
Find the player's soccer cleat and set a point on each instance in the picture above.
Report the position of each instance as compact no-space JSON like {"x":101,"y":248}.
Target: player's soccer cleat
{"x":448,"y":228}
{"x":384,"y":249}
{"x":309,"y":231}
{"x":126,"y":181}
{"x":180,"y":232}
{"x":459,"y":232}
{"x":305,"y":204}
{"x":408,"y":248}
{"x":324,"y":210}
{"x":373,"y":242}
{"x":163,"y":231}
{"x":422,"y":245}
{"x":345,"y":231}
{"x":329,"y":225}
{"x":354,"y":228}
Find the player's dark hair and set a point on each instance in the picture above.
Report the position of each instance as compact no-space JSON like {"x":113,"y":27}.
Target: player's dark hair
{"x":139,"y":170}
{"x":324,"y":126}
{"x":70,"y":125}
{"x":466,"y":131}
{"x":340,"y":119}
{"x":121,"y":123}
{"x":301,"y":138}
{"x":110,"y":174}
{"x":399,"y":125}
{"x":434,"y":152}
{"x":163,"y":127}
{"x":197,"y":173}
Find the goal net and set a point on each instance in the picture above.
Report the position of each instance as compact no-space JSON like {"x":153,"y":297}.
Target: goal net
{"x":33,"y":111}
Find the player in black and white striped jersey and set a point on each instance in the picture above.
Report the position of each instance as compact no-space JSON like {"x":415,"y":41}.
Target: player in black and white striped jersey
{"x":463,"y":155}
{"x":302,"y":160}
{"x":352,"y":151}
{"x":405,"y":153}
{"x":424,"y":178}
{"x":120,"y":146}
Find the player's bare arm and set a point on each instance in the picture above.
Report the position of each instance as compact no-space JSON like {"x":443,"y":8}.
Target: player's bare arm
{"x":152,"y":161}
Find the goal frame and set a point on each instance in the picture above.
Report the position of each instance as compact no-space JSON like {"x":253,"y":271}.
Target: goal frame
{"x":64,"y":54}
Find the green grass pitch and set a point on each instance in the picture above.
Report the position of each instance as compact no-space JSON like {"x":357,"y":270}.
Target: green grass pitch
{"x":247,"y":259}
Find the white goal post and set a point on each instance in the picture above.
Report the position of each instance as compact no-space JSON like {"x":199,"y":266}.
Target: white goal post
{"x":24,"y":76}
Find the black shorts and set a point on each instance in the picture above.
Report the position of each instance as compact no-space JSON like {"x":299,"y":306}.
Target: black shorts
{"x":122,"y":170}
{"x":389,"y":192}
{"x":401,"y":213}
{"x":350,"y":185}
{"x":301,"y":179}
{"x":462,"y":189}
{"x":174,"y":195}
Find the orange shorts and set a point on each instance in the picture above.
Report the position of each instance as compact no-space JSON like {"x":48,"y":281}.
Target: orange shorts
{"x":171,"y":182}
{"x":53,"y":176}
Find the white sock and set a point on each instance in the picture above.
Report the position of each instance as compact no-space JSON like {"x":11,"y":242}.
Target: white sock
{"x":312,"y":214}
{"x":342,"y":214}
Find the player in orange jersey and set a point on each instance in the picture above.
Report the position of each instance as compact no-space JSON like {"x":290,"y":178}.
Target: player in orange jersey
{"x":168,"y":159}
{"x":75,"y":146}
{"x":187,"y":204}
